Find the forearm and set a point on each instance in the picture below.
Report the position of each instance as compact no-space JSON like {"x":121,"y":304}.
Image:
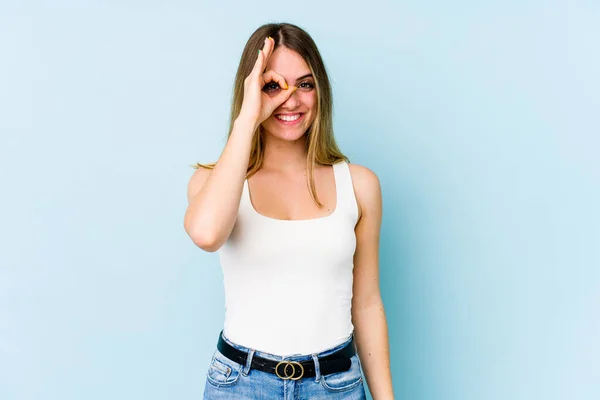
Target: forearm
{"x":371,"y":335}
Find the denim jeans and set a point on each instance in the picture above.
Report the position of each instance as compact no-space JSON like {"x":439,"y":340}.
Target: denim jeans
{"x":227,"y":379}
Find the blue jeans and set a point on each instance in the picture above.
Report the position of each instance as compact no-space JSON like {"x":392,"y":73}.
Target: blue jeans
{"x":227,"y":379}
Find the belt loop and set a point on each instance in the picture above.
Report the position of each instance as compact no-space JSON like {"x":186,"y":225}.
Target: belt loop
{"x":317,"y":367}
{"x":246,"y":369}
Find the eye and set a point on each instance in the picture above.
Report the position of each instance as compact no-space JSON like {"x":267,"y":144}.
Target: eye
{"x":307,"y":85}
{"x":271,"y":86}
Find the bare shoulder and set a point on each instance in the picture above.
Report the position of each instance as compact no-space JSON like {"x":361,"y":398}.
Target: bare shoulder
{"x":367,"y":189}
{"x":196,"y":182}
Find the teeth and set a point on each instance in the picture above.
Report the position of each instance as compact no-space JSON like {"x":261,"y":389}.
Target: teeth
{"x":288,"y":117}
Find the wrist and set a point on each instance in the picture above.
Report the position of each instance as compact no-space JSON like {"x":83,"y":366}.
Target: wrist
{"x":246,"y":122}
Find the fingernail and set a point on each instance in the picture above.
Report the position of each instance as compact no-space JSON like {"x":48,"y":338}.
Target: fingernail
{"x":258,"y":51}
{"x":271,"y":38}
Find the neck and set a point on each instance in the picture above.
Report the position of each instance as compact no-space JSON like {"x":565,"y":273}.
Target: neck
{"x":284,"y":155}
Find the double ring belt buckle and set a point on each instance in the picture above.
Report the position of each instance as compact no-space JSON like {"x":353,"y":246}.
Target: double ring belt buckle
{"x":285,"y":370}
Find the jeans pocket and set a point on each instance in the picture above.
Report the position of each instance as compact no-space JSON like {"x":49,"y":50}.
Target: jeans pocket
{"x":345,"y":380}
{"x":223,"y":371}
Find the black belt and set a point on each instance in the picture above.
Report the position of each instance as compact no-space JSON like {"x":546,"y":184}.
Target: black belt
{"x":338,"y":361}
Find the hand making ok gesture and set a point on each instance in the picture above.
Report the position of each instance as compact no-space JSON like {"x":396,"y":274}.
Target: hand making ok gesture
{"x":257,"y":105}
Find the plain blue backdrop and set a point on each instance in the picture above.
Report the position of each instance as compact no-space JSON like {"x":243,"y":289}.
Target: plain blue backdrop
{"x":479,"y":117}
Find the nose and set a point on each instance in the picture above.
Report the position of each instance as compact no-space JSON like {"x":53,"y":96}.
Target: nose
{"x":292,"y":102}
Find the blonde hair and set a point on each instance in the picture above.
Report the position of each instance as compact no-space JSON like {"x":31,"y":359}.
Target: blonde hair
{"x":321,"y":145}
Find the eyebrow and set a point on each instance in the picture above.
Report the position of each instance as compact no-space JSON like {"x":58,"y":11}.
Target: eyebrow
{"x":304,"y":76}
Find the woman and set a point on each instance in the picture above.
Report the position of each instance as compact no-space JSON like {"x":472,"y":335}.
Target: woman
{"x":297,"y":230}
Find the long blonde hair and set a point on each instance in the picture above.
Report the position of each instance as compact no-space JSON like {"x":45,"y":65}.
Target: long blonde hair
{"x":321,"y":145}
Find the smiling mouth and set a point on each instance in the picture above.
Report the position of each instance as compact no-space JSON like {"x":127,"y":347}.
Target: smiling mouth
{"x":288,"y":118}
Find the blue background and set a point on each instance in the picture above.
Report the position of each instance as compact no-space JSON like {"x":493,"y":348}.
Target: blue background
{"x":477,"y":116}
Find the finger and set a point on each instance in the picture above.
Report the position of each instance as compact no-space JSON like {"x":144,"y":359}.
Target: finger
{"x":257,"y":64}
{"x":257,"y":67}
{"x":272,"y":76}
{"x":268,"y":50}
{"x":261,"y":63}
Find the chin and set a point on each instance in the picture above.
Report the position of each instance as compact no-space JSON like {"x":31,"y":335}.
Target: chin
{"x":290,"y":135}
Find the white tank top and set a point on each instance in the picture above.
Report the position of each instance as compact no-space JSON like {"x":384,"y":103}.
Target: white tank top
{"x":288,"y":283}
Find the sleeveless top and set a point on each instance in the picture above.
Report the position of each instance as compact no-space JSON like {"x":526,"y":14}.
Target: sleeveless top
{"x":288,"y":283}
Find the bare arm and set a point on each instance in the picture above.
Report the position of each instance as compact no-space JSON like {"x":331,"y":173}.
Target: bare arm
{"x":368,"y":314}
{"x":214,"y":195}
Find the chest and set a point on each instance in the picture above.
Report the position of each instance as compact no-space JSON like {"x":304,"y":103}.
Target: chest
{"x":290,"y":198}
